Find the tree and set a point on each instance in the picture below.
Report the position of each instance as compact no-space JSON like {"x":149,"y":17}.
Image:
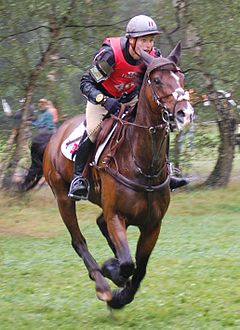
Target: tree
{"x":52,"y":35}
{"x":203,"y":41}
{"x":48,"y":38}
{"x":21,"y":146}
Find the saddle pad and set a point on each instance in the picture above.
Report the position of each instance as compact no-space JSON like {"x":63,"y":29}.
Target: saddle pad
{"x":70,"y":145}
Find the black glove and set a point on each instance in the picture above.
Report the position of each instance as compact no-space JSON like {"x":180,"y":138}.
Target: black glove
{"x":112,"y":105}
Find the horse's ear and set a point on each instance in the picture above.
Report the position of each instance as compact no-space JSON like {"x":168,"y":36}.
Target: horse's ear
{"x":175,"y":53}
{"x":146,"y":57}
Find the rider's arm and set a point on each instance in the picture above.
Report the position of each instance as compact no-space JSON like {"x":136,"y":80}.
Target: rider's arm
{"x":101,"y":69}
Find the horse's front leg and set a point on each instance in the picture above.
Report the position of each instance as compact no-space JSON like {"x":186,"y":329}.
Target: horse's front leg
{"x":146,"y":243}
{"x":120,"y":268}
{"x":111,"y":267}
{"x":67,"y":210}
{"x":103,"y":227}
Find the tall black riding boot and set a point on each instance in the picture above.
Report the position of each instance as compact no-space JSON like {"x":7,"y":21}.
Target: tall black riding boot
{"x":176,"y":182}
{"x":79,"y":188}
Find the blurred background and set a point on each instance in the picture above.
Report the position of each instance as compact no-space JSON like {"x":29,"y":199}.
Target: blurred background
{"x":46,"y":46}
{"x":193,"y":276}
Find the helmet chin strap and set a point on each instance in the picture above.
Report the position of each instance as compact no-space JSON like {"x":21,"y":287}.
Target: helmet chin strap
{"x":134,"y":47}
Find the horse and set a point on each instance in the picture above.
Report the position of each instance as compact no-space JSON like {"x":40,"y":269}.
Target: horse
{"x":130,"y":181}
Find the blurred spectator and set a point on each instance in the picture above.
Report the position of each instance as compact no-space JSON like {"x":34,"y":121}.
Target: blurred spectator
{"x":46,"y":127}
{"x":54,"y":111}
{"x":44,"y":122}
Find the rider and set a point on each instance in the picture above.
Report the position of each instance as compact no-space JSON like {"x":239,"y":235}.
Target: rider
{"x":111,"y":79}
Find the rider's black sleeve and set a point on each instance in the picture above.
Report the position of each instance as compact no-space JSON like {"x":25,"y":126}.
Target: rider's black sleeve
{"x":89,"y":87}
{"x":102,"y":67}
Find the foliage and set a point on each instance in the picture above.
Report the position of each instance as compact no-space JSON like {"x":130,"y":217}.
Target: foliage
{"x":25,"y":35}
{"x":217,"y":24}
{"x":191,"y":283}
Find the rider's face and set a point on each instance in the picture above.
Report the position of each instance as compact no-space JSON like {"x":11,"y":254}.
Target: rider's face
{"x":146,"y":43}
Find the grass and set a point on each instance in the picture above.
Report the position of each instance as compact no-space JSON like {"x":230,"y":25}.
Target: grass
{"x":192,"y":280}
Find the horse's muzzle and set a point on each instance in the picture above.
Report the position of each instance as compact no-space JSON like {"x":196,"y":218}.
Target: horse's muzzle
{"x":184,"y":116}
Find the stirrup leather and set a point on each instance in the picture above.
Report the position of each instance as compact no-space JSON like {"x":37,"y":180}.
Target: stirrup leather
{"x":79,"y":188}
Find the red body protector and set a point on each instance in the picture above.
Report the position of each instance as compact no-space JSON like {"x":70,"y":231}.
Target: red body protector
{"x":124,"y":77}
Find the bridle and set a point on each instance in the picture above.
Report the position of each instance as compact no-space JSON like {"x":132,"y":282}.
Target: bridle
{"x":179,"y":95}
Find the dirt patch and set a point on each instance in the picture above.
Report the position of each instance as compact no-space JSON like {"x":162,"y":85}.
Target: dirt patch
{"x":35,"y":227}
{"x":35,"y":214}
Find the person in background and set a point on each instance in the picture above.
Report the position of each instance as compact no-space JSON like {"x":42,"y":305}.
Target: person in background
{"x":53,"y":110}
{"x":112,"y":79}
{"x":45,"y":128}
{"x":44,"y":122}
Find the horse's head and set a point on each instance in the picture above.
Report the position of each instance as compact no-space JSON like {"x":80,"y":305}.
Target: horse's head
{"x":165,"y":87}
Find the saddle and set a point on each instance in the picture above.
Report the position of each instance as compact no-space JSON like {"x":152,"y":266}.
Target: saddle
{"x":112,"y":131}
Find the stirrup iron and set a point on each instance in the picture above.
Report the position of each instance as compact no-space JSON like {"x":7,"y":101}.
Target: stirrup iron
{"x":79,"y":189}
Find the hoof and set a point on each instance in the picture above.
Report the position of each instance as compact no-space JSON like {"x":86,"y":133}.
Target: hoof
{"x":104,"y":296}
{"x":113,"y":305}
{"x":111,"y":270}
{"x":116,"y":302}
{"x":103,"y":291}
{"x":122,"y":297}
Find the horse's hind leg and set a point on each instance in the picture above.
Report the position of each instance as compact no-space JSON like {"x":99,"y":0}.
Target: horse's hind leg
{"x":67,"y":210}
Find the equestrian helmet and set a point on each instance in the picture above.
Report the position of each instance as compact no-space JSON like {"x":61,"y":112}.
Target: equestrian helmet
{"x":141,"y":25}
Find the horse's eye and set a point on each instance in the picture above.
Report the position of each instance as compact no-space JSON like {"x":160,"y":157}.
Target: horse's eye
{"x":157,"y":81}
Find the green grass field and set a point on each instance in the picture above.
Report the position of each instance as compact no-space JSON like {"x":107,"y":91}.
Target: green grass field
{"x":192,"y":280}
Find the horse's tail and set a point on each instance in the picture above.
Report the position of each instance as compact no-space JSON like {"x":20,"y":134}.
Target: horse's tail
{"x":31,"y":180}
{"x":35,"y":171}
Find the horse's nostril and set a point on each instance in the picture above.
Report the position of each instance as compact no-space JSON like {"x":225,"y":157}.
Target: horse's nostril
{"x":181,"y":113}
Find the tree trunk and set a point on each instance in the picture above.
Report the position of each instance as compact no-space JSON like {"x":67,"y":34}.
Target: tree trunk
{"x":226,"y":123}
{"x":221,"y":173}
{"x":21,"y":148}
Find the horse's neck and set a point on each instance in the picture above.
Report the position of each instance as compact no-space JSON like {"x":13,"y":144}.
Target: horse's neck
{"x":149,"y":149}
